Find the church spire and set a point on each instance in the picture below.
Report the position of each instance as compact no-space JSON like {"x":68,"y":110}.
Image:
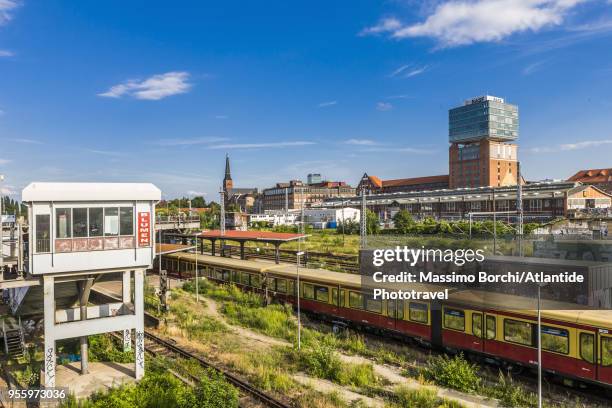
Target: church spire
{"x":228,"y":175}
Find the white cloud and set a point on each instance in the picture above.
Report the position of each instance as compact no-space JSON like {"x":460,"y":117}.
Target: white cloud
{"x":462,"y":22}
{"x":261,"y":145}
{"x":195,"y":193}
{"x":392,"y":149}
{"x":153,"y":88}
{"x":190,"y":142}
{"x":360,"y":142}
{"x":4,"y":161}
{"x":585,"y":144}
{"x":532,"y":68}
{"x":408,"y":71}
{"x":6,"y":53}
{"x":24,"y":141}
{"x":571,"y":146}
{"x":221,"y":117}
{"x":6,"y":6}
{"x":402,"y":96}
{"x":384,"y":106}
{"x":109,"y":153}
{"x":8,"y":190}
{"x":327,"y":104}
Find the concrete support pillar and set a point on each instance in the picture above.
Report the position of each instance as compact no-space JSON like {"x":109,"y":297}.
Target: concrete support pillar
{"x":139,"y":312}
{"x":84,"y":287}
{"x":49,"y":320}
{"x":277,"y":253}
{"x":126,"y":298}
{"x":242,"y":250}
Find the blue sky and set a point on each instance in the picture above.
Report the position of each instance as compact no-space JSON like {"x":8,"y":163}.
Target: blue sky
{"x":143,"y":91}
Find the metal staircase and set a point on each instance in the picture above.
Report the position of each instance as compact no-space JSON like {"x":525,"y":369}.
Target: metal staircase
{"x":13,"y":339}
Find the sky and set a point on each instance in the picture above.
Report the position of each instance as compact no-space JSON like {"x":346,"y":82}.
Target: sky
{"x":140,"y":91}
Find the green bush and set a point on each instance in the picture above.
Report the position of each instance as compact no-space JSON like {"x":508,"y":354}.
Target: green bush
{"x":512,"y":395}
{"x":453,"y":372}
{"x":162,"y":390}
{"x":102,"y":348}
{"x":420,"y":398}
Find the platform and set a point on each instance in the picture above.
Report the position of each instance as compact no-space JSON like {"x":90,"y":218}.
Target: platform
{"x":102,"y":376}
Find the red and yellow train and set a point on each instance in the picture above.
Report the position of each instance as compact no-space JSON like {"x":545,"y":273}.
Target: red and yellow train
{"x":576,"y":341}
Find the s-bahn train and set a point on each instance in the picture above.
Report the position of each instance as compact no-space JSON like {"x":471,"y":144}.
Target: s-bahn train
{"x":576,"y":341}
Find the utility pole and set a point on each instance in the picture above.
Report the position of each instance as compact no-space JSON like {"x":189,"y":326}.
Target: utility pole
{"x":222,"y":220}
{"x":494,"y":224}
{"x":1,"y":234}
{"x":364,"y":220}
{"x":519,"y":208}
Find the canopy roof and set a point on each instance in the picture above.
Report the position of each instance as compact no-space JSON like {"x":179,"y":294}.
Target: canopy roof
{"x":87,"y":192}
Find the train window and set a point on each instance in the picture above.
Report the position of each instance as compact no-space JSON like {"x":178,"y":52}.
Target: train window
{"x":281,"y":285}
{"x":518,"y":332}
{"x":417,"y":312}
{"x":225,"y":274}
{"x":335,"y":299}
{"x":454,"y":319}
{"x":477,"y":324}
{"x":291,"y":287}
{"x":587,"y":347}
{"x":355,"y":300}
{"x":606,"y":351}
{"x":373,"y":305}
{"x":491,"y":327}
{"x":322,"y":294}
{"x":255,"y":281}
{"x":555,"y":340}
{"x":245,"y":278}
{"x":307,"y":291}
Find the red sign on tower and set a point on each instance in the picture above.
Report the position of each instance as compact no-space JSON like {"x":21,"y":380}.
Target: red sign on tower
{"x":144,"y":229}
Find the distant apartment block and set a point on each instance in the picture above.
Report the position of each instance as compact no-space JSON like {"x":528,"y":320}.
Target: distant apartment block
{"x":295,"y":194}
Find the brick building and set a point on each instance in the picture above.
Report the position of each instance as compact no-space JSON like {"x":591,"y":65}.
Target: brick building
{"x":374,"y":185}
{"x":295,"y":194}
{"x":601,"y":178}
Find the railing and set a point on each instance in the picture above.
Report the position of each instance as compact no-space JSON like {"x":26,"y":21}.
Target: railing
{"x":43,"y":245}
{"x":177,"y":219}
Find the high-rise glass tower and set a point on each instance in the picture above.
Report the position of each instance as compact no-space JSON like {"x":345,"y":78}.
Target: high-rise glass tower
{"x":480,"y":133}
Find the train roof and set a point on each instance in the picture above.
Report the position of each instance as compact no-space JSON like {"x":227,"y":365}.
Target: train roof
{"x":545,"y":261}
{"x":552,"y":309}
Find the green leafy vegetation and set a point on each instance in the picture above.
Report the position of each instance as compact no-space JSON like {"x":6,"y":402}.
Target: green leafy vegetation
{"x":453,"y":372}
{"x":420,"y":398}
{"x":102,"y":348}
{"x":160,"y":389}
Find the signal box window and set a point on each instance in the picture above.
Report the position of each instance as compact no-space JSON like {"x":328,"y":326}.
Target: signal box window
{"x":111,"y":221}
{"x":587,"y":347}
{"x":454,"y":319}
{"x":126,"y":221}
{"x":62,"y":223}
{"x":477,"y":324}
{"x":491,"y":327}
{"x":518,"y":332}
{"x":555,"y":340}
{"x":96,"y":218}
{"x":43,"y":233}
{"x":79,"y":222}
{"x":417,"y":312}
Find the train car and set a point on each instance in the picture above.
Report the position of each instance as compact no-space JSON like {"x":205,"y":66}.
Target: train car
{"x":334,"y":296}
{"x":576,"y":340}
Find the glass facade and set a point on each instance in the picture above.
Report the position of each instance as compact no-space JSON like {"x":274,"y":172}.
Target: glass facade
{"x":481,"y":118}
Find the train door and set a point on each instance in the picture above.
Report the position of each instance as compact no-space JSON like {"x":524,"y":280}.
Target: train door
{"x":436,"y":324}
{"x":490,"y":333}
{"x":586,"y":366}
{"x":604,"y":368}
{"x":477,"y":332}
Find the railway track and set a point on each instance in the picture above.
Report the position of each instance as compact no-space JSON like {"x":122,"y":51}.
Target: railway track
{"x":158,"y":346}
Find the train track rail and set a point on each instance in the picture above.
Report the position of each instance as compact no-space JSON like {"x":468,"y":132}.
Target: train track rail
{"x":156,"y":345}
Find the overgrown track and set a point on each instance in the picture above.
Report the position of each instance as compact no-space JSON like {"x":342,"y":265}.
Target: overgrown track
{"x":155,"y":342}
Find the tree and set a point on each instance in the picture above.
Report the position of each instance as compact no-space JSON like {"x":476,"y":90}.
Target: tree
{"x":372,"y":222}
{"x":403,"y":221}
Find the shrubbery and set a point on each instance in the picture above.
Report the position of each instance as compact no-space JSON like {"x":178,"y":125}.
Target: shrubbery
{"x":453,"y":372}
{"x":159,"y":389}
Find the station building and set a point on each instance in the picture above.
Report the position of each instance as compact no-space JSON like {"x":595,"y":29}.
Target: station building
{"x":541,"y":201}
{"x":601,"y":178}
{"x":78,"y":234}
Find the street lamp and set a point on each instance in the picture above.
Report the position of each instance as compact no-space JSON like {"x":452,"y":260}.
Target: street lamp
{"x":1,"y":232}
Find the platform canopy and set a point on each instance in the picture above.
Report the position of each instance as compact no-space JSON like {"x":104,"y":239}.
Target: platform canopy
{"x":235,"y":235}
{"x":165,"y":249}
{"x":61,"y":192}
